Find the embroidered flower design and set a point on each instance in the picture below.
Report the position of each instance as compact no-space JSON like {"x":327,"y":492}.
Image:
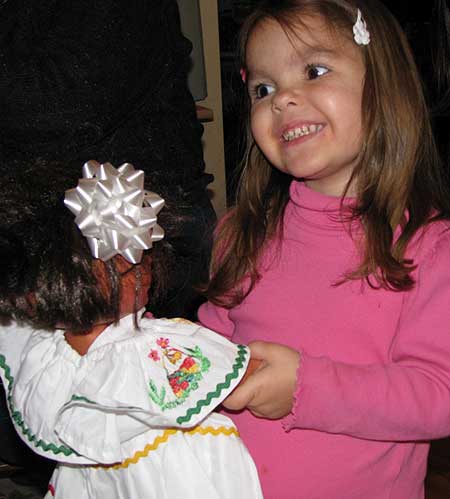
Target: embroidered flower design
{"x":182,"y":379}
{"x":163,"y":342}
{"x":154,"y":355}
{"x":189,"y":365}
{"x":174,"y":356}
{"x":185,"y":368}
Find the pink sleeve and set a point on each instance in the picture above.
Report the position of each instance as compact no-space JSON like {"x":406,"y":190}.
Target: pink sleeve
{"x":217,"y":319}
{"x":406,"y":399}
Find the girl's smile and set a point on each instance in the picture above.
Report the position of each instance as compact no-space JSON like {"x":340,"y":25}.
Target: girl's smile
{"x":306,"y":92}
{"x":300,"y":130}
{"x":296,"y":133}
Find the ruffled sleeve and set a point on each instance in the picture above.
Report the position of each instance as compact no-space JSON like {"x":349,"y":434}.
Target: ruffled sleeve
{"x":93,"y":409}
{"x":170,"y":373}
{"x":38,"y":370}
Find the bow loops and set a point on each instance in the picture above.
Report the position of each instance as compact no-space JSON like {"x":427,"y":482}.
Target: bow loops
{"x":114,"y":211}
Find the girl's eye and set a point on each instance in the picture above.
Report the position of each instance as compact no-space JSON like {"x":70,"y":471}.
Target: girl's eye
{"x":313,"y":71}
{"x":263,"y":90}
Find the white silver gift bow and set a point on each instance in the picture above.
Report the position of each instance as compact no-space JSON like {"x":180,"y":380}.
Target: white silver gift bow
{"x":114,"y":211}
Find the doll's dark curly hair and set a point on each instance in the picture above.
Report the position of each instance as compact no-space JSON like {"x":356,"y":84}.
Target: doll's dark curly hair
{"x":46,"y":269}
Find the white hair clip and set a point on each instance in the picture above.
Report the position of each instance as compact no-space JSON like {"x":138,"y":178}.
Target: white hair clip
{"x":360,"y":32}
{"x":114,"y":211}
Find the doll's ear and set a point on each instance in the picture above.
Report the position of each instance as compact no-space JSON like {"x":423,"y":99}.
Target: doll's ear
{"x":101,"y":275}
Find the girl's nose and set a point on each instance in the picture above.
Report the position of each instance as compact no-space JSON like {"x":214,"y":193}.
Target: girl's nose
{"x":284,"y":99}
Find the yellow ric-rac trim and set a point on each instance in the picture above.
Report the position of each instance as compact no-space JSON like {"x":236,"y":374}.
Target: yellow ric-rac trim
{"x":160,"y":439}
{"x":181,"y":320}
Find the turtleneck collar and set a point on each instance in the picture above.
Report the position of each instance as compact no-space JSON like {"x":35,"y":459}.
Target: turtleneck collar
{"x":320,"y":210}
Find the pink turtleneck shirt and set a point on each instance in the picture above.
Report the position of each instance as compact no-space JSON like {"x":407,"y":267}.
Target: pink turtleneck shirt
{"x":374,"y":381}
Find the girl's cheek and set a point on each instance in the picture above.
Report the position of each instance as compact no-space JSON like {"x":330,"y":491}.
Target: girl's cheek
{"x":254,"y":121}
{"x":260,"y":127}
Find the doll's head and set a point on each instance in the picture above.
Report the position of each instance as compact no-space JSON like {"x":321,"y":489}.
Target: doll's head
{"x":50,"y":277}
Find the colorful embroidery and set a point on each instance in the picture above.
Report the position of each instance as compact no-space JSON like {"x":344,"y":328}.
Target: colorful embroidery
{"x":154,"y":355}
{"x":51,"y":489}
{"x":237,"y":366}
{"x":188,"y":368}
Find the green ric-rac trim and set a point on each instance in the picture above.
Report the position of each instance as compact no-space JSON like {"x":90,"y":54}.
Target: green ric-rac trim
{"x":16,"y":416}
{"x":79,"y":398}
{"x":237,"y":366}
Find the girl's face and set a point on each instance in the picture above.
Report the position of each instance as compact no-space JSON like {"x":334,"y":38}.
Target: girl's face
{"x":306,"y":94}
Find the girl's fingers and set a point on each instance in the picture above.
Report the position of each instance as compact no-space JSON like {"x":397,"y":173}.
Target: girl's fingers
{"x":244,"y":393}
{"x":239,"y":398}
{"x":275,"y":381}
{"x":267,"y":390}
{"x":260,"y":350}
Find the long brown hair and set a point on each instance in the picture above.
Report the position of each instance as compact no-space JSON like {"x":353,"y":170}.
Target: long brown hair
{"x":48,"y":277}
{"x":398,"y":177}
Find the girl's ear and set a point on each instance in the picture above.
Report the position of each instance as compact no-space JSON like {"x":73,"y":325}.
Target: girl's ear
{"x":243,"y":73}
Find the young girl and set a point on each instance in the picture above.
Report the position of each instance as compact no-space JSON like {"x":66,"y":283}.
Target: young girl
{"x":124,"y":408}
{"x":336,"y":258}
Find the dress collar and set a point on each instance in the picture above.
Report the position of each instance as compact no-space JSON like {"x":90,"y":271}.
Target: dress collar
{"x":114,"y":332}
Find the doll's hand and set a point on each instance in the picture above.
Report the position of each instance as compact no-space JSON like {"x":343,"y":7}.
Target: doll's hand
{"x":269,"y":391}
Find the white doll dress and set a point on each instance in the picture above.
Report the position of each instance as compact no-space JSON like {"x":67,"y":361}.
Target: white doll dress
{"x":131,"y":419}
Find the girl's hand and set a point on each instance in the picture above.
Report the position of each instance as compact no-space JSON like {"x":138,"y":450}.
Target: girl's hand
{"x":269,"y":391}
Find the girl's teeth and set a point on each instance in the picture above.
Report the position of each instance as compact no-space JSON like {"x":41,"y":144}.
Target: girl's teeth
{"x":301,"y":131}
